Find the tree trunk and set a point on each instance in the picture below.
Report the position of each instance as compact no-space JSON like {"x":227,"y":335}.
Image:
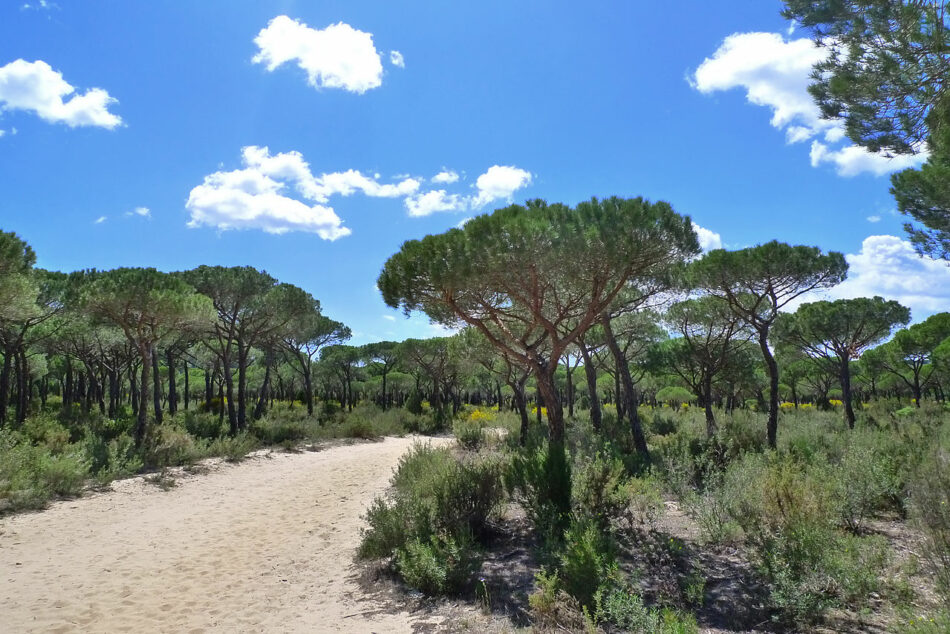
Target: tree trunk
{"x":187,"y":389}
{"x":557,"y":468}
{"x":133,"y":391}
{"x":157,"y":394}
{"x":308,"y":389}
{"x":772,"y":428}
{"x":145,"y":354}
{"x":262,"y":397}
{"x":591,"y":373}
{"x":570,"y":388}
{"x":172,"y":388}
{"x":630,"y":395}
{"x":242,"y":385}
{"x":845,"y":376}
{"x":229,"y":383}
{"x":707,"y":401}
{"x":522,"y":406}
{"x":23,"y":385}
{"x":5,"y":384}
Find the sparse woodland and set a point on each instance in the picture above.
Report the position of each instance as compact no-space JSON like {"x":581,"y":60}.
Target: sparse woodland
{"x":649,"y":438}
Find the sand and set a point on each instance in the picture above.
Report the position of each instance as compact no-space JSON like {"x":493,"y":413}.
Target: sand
{"x":266,"y":545}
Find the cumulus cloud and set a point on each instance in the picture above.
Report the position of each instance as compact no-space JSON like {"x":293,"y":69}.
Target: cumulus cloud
{"x":774,"y":73}
{"x":708,"y":240}
{"x":396,"y":59}
{"x":874,"y":218}
{"x":389,"y":318}
{"x":851,"y":160}
{"x":261,"y":195}
{"x":500,"y":182}
{"x":463,"y":222}
{"x":433,"y":201}
{"x":99,"y":220}
{"x":35,"y":87}
{"x":888,"y":266}
{"x":338,"y":56}
{"x":446,"y":176}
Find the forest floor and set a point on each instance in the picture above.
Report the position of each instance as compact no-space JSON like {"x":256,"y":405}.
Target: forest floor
{"x":263,"y":545}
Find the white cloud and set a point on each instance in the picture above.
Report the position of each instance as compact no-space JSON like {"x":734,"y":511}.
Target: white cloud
{"x":396,"y":59}
{"x":36,"y":87}
{"x":446,"y":176}
{"x":260,"y":195}
{"x":291,"y":166}
{"x":888,"y":266}
{"x":462,"y":222}
{"x":500,"y":182}
{"x":851,"y":160}
{"x":144,"y":212}
{"x":338,"y":56}
{"x":99,"y":220}
{"x":708,"y":240}
{"x":433,"y":201}
{"x":874,"y":218}
{"x":389,"y":318}
{"x":774,"y":72}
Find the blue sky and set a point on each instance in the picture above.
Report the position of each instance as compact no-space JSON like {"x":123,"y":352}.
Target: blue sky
{"x":162,"y":138}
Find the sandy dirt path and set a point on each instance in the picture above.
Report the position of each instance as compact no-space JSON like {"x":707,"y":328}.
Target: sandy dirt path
{"x":262,"y":546}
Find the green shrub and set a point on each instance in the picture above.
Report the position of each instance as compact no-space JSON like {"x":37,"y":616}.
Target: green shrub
{"x":662,"y":425}
{"x":64,"y":473}
{"x":470,"y":434}
{"x":601,"y":490}
{"x":414,"y":403}
{"x":436,"y":507}
{"x":204,"y":425}
{"x":787,"y":513}
{"x":46,"y":430}
{"x":171,"y":446}
{"x":930,"y":506}
{"x":113,"y":459}
{"x":30,"y":475}
{"x":619,"y":606}
{"x":540,"y":480}
{"x":276,"y":431}
{"x":864,"y":482}
{"x":443,"y":564}
{"x":553,"y":609}
{"x":233,"y":449}
{"x":388,"y":530}
{"x":585,"y":559}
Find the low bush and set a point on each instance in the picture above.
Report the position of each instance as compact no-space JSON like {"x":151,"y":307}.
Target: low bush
{"x":436,"y":509}
{"x":172,"y":446}
{"x":30,"y":475}
{"x":233,"y":449}
{"x":113,"y":459}
{"x":930,"y":507}
{"x":786,"y":512}
{"x":540,"y":480}
{"x":622,"y":608}
{"x":601,"y":490}
{"x":442,"y":564}
{"x":204,"y":424}
{"x":470,"y":434}
{"x":585,"y":559}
